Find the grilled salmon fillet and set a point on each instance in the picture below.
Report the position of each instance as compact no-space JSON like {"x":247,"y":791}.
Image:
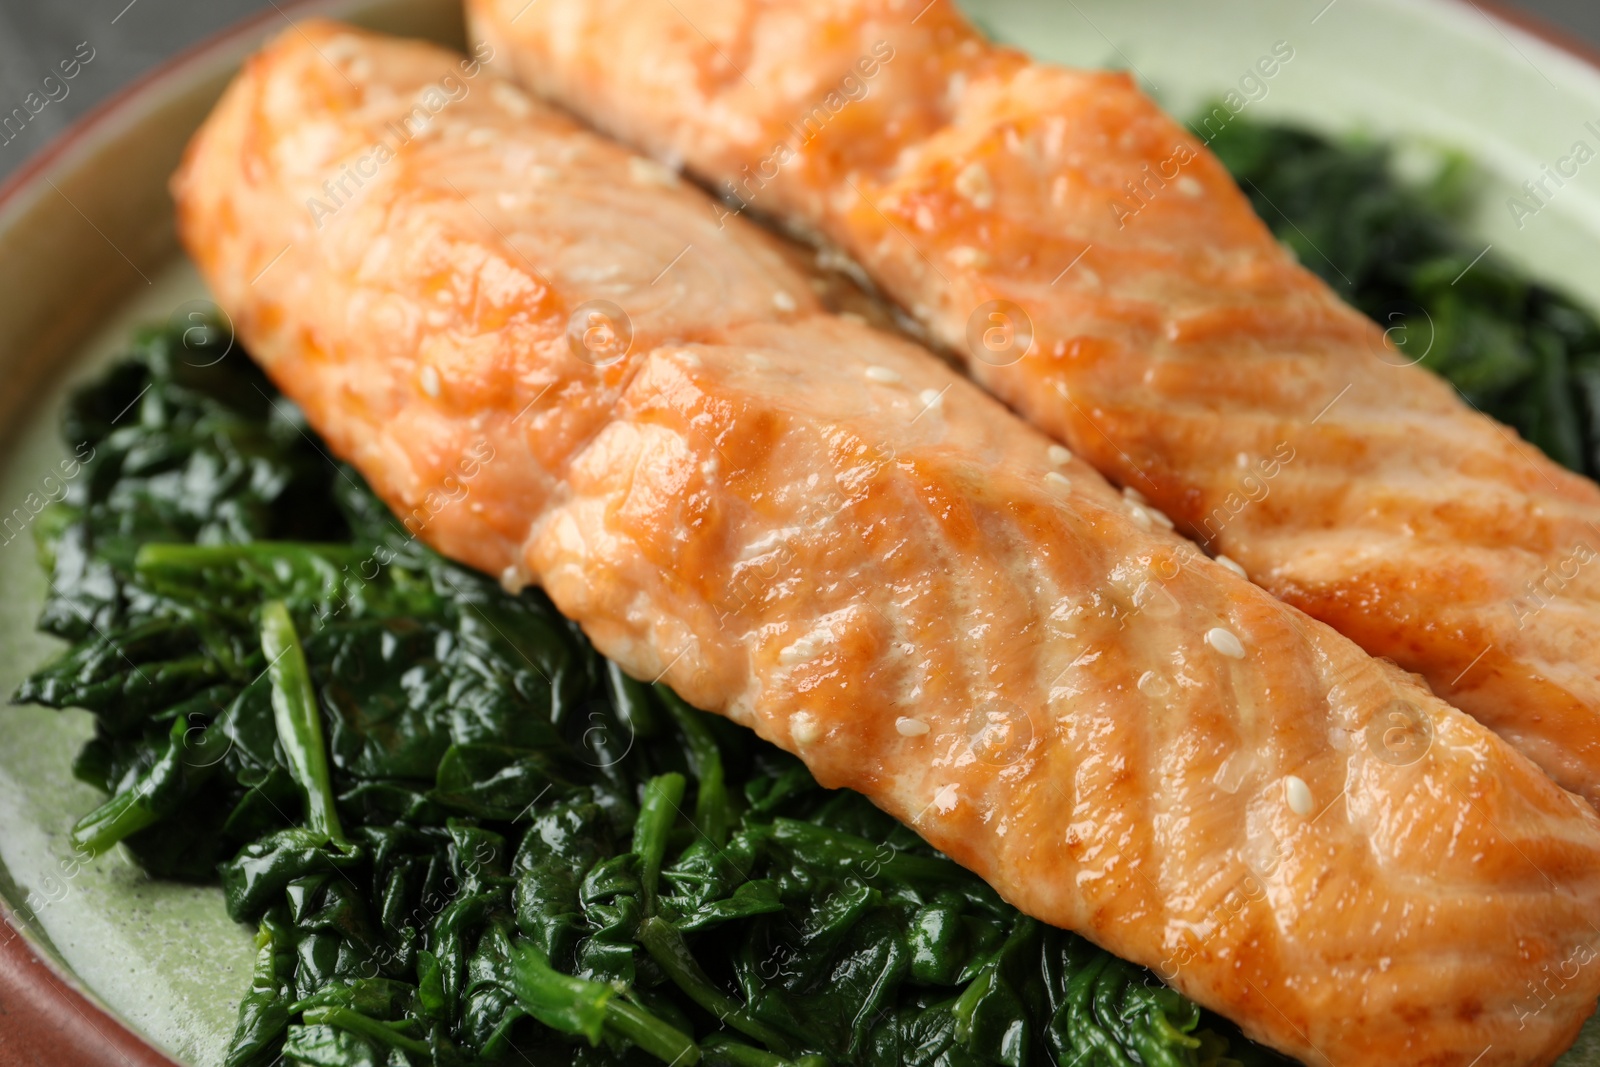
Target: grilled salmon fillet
{"x":1099,"y":271}
{"x":822,"y":532}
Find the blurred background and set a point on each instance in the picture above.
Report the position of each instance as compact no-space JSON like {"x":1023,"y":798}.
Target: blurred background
{"x":116,"y":41}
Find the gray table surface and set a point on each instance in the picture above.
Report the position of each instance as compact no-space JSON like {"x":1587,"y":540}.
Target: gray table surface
{"x":125,"y":39}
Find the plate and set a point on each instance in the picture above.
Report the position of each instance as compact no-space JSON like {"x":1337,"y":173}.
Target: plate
{"x":87,"y":251}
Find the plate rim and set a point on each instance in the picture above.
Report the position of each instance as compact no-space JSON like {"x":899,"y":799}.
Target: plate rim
{"x":1537,"y":26}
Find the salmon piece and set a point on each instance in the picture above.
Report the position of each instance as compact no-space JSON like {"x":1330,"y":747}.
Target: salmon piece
{"x":819,"y":530}
{"x":1164,"y":334}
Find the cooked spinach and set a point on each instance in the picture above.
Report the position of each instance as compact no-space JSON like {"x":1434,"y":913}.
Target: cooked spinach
{"x":459,"y":832}
{"x":1516,"y":349}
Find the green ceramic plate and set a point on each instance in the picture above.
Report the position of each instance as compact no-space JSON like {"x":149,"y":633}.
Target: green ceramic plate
{"x":86,"y":252}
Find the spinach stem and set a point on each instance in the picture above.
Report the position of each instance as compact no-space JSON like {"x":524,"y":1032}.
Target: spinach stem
{"x":145,"y":802}
{"x":578,"y":1006}
{"x":657,"y":812}
{"x":299,"y":721}
{"x":102,"y":828}
{"x":154,"y":555}
{"x":560,"y":1001}
{"x":667,"y":947}
{"x":354,"y":1021}
{"x":652,"y":1035}
{"x":713,"y":810}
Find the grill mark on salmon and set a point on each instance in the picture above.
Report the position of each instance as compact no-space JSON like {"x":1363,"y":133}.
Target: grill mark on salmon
{"x":1114,"y":723}
{"x":1171,"y":333}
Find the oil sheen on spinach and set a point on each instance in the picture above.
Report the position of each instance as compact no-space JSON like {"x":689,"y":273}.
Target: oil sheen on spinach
{"x":464,"y":838}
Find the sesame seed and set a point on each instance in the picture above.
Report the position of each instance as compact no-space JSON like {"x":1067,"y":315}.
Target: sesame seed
{"x":1060,"y":456}
{"x":1159,"y":517}
{"x":974,"y":183}
{"x":930,"y":397}
{"x":1140,"y":516}
{"x":1134,"y":495}
{"x":430,"y":381}
{"x":804,"y":728}
{"x":643,"y":171}
{"x":1232,"y":566}
{"x":1056,"y":478}
{"x":910,"y":727}
{"x":783,"y":301}
{"x":1299,"y":796}
{"x":510,"y":100}
{"x":1225,"y":642}
{"x":883,"y":374}
{"x":513,"y":579}
{"x":967,"y":256}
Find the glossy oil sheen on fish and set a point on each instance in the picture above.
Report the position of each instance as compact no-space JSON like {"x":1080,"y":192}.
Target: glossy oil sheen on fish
{"x":1099,"y":271}
{"x":556,"y":362}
